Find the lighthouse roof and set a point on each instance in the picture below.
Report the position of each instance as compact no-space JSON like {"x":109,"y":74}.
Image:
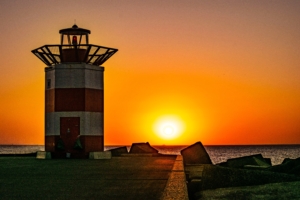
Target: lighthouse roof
{"x":74,"y":31}
{"x":74,"y":48}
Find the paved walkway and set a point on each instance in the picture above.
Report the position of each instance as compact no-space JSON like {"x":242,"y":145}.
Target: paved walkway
{"x":117,"y":178}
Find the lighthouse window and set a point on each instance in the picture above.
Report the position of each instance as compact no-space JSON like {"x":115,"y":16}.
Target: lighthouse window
{"x":65,"y":40}
{"x":48,"y":83}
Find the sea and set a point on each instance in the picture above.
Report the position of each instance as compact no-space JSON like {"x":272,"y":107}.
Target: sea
{"x":217,"y":153}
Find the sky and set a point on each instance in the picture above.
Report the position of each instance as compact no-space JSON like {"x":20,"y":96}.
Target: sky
{"x":222,"y":72}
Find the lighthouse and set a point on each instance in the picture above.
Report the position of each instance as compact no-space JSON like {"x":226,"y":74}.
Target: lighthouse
{"x":74,"y":94}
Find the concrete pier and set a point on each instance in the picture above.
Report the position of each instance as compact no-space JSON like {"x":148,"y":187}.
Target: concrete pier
{"x":138,"y":177}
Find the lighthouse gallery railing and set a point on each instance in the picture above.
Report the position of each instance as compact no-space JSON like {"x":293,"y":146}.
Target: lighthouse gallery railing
{"x":90,"y":54}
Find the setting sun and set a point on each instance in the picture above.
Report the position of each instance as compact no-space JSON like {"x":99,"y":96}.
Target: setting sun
{"x":168,"y":130}
{"x":168,"y":127}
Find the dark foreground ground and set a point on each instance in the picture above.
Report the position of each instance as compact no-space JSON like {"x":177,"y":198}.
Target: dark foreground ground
{"x":116,"y":178}
{"x":139,"y":177}
{"x":272,"y":191}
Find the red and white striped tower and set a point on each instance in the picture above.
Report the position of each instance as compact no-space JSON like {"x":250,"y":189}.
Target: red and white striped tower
{"x":74,"y":96}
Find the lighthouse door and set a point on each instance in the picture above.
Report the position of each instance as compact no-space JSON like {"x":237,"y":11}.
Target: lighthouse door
{"x":69,"y":131}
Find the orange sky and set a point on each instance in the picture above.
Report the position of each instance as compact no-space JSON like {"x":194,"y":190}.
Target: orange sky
{"x":228,"y":71}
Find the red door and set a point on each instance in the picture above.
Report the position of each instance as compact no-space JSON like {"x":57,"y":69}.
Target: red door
{"x":69,"y":131}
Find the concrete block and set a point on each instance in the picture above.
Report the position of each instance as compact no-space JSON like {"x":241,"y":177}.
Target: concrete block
{"x":194,"y":171}
{"x":43,"y":155}
{"x":286,"y":160}
{"x":119,"y":151}
{"x":142,"y":148}
{"x":253,"y":160}
{"x":221,"y":177}
{"x":289,"y":166}
{"x":195,"y":154}
{"x":255,"y":167}
{"x":268,"y":160}
{"x":100,"y":155}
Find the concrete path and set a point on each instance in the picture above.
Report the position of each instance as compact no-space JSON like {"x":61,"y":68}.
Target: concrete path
{"x":116,"y":178}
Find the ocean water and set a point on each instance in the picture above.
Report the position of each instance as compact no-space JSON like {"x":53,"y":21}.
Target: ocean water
{"x":218,"y":154}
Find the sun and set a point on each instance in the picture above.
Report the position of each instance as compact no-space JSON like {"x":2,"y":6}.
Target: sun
{"x":168,"y":127}
{"x":168,"y":130}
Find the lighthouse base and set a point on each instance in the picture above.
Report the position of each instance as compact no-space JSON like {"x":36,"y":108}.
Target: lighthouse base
{"x":80,"y":148}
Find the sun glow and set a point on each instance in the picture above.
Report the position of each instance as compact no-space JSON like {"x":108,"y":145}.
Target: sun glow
{"x":168,"y":127}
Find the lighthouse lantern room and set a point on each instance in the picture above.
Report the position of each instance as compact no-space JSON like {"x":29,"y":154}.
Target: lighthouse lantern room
{"x":74,"y":94}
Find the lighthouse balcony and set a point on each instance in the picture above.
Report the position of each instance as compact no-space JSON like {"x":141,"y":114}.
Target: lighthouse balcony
{"x":90,"y":54}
